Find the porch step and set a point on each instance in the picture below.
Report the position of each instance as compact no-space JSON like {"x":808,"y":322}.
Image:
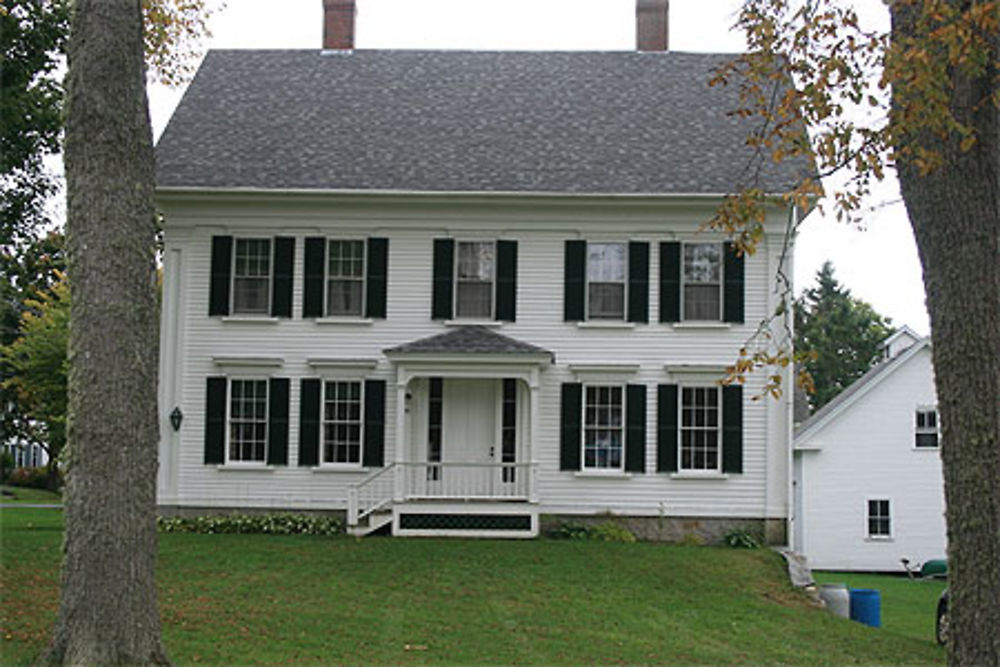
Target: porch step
{"x":372,"y":523}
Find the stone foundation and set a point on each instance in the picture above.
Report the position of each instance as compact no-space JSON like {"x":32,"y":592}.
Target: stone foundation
{"x":693,"y":530}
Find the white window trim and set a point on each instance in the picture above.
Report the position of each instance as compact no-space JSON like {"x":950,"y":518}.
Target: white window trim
{"x":722,"y":287}
{"x":917,"y":430}
{"x":334,"y":465}
{"x":892,"y":520}
{"x":229,"y":463}
{"x":594,"y":471}
{"x":462,"y":320}
{"x":254,"y":317}
{"x":362,"y":318}
{"x":605,"y":322}
{"x":701,"y":473}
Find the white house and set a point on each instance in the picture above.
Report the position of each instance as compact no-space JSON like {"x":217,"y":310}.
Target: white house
{"x":456,"y":291}
{"x":868,"y":485}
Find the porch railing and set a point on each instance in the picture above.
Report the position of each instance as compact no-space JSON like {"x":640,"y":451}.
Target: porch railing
{"x":440,"y":481}
{"x":467,"y":481}
{"x":371,"y":494}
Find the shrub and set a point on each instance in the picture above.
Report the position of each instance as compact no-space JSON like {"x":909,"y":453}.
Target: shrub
{"x":6,"y":465}
{"x":741,"y":539}
{"x":606,"y":531}
{"x":34,"y":478}
{"x":270,"y":524}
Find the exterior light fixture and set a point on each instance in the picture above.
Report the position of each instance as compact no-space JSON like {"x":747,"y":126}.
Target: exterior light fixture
{"x":176,"y":417}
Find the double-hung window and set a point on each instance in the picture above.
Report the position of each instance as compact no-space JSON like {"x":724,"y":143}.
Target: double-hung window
{"x":474,"y":278}
{"x":606,"y":279}
{"x":702,"y":286}
{"x":342,"y":422}
{"x":700,"y":420}
{"x":603,"y":428}
{"x":879,"y":518}
{"x":926,"y":428}
{"x":252,"y":276}
{"x":248,"y":421}
{"x":345,"y":284}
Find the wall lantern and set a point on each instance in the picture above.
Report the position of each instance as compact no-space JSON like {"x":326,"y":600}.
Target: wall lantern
{"x":176,"y":417}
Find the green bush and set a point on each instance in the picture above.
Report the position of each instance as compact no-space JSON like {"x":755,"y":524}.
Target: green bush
{"x":6,"y":465}
{"x":34,"y":478}
{"x":606,"y":531}
{"x":270,"y":524}
{"x":741,"y":539}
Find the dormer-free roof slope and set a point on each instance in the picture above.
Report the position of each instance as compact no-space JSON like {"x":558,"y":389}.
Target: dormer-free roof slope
{"x":455,"y":121}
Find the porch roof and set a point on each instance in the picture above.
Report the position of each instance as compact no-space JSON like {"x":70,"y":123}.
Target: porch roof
{"x":470,"y":340}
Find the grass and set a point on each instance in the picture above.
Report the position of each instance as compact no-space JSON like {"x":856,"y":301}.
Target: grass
{"x":19,"y":494}
{"x":908,"y":605}
{"x":248,"y":599}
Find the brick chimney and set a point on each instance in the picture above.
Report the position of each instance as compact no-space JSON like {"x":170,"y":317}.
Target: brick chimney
{"x":651,"y":20}
{"x":338,"y":25}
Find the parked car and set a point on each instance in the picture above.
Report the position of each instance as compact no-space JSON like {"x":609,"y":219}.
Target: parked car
{"x":941,"y":626}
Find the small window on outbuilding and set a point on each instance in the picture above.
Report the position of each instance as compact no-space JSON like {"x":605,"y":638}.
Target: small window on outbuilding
{"x":926,"y":434}
{"x":879,"y":519}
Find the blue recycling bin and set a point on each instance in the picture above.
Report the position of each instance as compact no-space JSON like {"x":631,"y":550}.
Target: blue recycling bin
{"x":866,"y":606}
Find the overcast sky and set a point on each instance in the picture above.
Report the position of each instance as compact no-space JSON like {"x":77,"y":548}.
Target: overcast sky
{"x":878,"y":263}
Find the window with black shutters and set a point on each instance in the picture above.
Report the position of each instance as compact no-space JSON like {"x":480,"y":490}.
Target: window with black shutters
{"x":342,"y":423}
{"x":252,"y":277}
{"x":247,"y":420}
{"x":345,"y":282}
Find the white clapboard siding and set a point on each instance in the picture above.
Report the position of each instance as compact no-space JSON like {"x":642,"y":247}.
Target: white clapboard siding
{"x":867,"y":451}
{"x":541,"y":226}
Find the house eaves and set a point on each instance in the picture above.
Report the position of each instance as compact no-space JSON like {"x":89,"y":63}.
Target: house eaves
{"x":845,"y":399}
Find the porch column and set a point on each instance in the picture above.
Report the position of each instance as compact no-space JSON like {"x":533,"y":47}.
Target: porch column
{"x":533,"y":388}
{"x":399,"y":478}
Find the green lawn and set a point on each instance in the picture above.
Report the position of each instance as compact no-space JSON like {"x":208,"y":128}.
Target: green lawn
{"x":34,"y":496}
{"x":245,"y":599}
{"x":908,"y":605}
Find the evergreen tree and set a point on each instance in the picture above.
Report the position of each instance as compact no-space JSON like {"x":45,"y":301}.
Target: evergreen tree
{"x":843,"y":334}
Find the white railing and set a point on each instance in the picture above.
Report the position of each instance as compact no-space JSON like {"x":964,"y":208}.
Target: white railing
{"x":370,"y":494}
{"x":439,"y":481}
{"x":468,"y":481}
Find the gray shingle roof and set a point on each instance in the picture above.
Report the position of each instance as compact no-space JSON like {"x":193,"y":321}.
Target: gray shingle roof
{"x":576,"y":122}
{"x":471,"y":339}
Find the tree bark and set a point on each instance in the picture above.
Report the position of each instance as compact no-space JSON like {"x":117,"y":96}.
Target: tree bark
{"x":108,"y":612}
{"x":955,"y":215}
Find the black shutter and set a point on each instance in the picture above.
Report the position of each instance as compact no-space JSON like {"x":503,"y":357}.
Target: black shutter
{"x":222,"y":265}
{"x":638,"y":281}
{"x":444,"y":267}
{"x":374,"y":449}
{"x":666,"y":428}
{"x":506,"y":297}
{"x":732,"y":428}
{"x":315,"y":273}
{"x":309,"y":399}
{"x":574,"y":281}
{"x":277,"y":422}
{"x":732,"y":301}
{"x":378,"y":263}
{"x":571,"y":412}
{"x":435,"y":410}
{"x":215,"y":420}
{"x":281,"y":287}
{"x":670,"y":282}
{"x":635,"y":428}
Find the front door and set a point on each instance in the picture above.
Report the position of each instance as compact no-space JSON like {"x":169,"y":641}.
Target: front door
{"x":470,"y":433}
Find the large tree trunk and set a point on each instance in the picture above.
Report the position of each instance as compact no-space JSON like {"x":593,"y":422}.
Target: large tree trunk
{"x":108,"y":612}
{"x":955,"y":214}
